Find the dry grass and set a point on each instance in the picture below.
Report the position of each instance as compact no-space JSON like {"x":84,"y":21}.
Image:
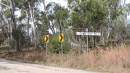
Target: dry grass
{"x":111,"y":60}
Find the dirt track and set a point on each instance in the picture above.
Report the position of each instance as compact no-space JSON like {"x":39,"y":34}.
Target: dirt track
{"x":17,"y":67}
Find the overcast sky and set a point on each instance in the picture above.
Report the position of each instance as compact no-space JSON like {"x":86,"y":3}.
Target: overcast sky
{"x":127,"y":1}
{"x":61,"y":2}
{"x":64,"y":3}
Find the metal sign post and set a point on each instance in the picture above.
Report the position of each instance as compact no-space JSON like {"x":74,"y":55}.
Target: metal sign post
{"x":62,"y":51}
{"x":61,"y":40}
{"x":88,"y":34}
{"x":46,"y":49}
{"x":87,"y":39}
{"x":46,"y":40}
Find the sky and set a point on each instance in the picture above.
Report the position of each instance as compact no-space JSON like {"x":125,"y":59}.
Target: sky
{"x":64,"y":3}
{"x":128,"y":17}
{"x":61,"y":2}
{"x":127,"y":1}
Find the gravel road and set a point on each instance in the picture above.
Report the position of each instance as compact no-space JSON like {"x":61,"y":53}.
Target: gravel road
{"x":17,"y":67}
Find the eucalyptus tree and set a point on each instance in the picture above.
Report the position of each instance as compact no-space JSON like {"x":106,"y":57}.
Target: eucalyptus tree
{"x":5,"y":15}
{"x":58,"y":15}
{"x":117,"y":19}
{"x":91,"y":14}
{"x":98,"y":15}
{"x":4,"y":7}
{"x":25,"y":7}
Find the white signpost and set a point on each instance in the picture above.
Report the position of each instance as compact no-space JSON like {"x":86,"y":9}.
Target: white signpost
{"x":89,"y":33}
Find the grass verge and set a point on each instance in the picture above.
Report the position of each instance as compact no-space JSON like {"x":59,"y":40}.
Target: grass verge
{"x":110,"y":60}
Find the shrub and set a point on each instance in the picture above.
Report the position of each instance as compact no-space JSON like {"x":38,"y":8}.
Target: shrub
{"x":57,"y":47}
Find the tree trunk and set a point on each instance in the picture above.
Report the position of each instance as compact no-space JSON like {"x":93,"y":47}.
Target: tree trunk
{"x":14,"y":25}
{"x":31,"y":10}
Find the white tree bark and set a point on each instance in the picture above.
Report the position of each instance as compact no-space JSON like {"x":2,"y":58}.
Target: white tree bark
{"x":34,"y":40}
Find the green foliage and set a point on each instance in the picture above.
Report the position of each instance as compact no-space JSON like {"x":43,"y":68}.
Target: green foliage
{"x":20,"y":37}
{"x":106,"y":16}
{"x":12,"y":44}
{"x":88,"y":13}
{"x":56,"y":46}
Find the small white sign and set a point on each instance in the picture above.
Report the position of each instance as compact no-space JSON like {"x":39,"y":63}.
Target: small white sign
{"x":89,"y":33}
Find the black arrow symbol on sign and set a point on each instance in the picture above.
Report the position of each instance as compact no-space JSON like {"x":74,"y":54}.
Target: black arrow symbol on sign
{"x":61,"y":37}
{"x":46,"y":39}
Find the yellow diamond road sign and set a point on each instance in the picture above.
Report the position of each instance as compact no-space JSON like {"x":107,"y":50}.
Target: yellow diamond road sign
{"x":61,"y":37}
{"x":46,"y":38}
